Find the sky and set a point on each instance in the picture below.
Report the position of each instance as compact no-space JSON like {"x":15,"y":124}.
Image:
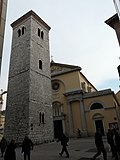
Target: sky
{"x":78,"y":36}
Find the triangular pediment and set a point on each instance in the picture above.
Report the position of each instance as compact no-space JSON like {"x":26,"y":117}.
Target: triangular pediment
{"x":57,"y":68}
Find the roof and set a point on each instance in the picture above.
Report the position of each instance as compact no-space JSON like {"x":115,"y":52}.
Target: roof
{"x":111,"y":21}
{"x":64,"y":65}
{"x":60,"y":68}
{"x":27,"y":15}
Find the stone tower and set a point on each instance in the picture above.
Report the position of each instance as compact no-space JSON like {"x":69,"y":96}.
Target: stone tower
{"x":29,"y":109}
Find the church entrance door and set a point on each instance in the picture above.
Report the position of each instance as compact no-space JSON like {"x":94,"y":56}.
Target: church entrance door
{"x":99,"y":124}
{"x":58,"y":128}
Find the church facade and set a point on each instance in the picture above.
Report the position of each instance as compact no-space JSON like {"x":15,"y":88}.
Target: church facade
{"x":78,"y":107}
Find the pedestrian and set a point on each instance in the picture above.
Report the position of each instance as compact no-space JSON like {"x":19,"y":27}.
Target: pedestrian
{"x":99,"y":145}
{"x":64,"y":140}
{"x":10,"y":153}
{"x":27,"y":145}
{"x":116,"y":138}
{"x":3,"y":145}
{"x":111,"y":141}
{"x":79,"y":133}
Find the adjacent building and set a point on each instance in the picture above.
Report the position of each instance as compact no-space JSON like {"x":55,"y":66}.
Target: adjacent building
{"x":3,"y":10}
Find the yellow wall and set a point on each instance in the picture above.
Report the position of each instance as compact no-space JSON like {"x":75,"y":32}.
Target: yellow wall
{"x":108,"y":112}
{"x":87,"y":84}
{"x":70,"y":80}
{"x":76,"y":116}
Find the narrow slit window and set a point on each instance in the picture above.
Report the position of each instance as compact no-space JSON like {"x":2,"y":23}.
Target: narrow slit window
{"x":39,"y":32}
{"x":42,"y":34}
{"x":19,"y":32}
{"x":43,"y":118}
{"x":40,"y":64}
{"x":31,"y":126}
{"x":23,"y":30}
{"x":40,"y":117}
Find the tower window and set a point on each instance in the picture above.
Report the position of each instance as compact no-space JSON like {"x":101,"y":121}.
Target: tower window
{"x":39,"y":32}
{"x":40,"y":64}
{"x":31,"y":126}
{"x":42,"y":34}
{"x":41,"y":118}
{"x":19,"y":32}
{"x":23,"y":30}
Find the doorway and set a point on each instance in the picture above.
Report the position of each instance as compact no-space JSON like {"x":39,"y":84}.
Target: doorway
{"x":58,"y":128}
{"x":99,"y":124}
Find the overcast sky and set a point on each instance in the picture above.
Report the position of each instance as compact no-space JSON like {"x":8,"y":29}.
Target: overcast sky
{"x":78,"y":36}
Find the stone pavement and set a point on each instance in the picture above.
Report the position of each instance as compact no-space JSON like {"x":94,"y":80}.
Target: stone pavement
{"x":79,"y":149}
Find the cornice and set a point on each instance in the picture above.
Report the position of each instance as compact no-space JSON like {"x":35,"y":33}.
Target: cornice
{"x":27,"y":15}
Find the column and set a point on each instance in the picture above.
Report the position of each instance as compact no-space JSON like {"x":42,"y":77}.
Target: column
{"x":70,"y":120}
{"x":83,"y":119}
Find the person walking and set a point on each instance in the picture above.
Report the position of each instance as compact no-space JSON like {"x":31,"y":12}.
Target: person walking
{"x":64,"y":140}
{"x":111,"y":141}
{"x":3,"y":145}
{"x":27,"y":145}
{"x":99,"y":145}
{"x":10,"y":153}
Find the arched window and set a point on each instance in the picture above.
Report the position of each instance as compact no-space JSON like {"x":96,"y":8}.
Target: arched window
{"x":40,"y":64}
{"x":57,"y":109}
{"x":23,"y":30}
{"x":42,"y":34}
{"x":39,"y":32}
{"x":19,"y":32}
{"x":96,"y":106}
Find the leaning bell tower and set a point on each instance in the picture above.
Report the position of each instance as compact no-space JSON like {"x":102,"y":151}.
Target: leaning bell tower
{"x":28,"y":108}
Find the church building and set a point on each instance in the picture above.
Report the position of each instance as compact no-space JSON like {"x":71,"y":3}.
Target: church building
{"x":78,"y":107}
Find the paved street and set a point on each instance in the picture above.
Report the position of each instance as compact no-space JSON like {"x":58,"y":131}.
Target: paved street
{"x":79,"y":149}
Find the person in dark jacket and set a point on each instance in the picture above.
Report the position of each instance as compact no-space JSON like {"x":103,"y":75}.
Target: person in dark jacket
{"x":111,"y":141}
{"x":116,"y":138}
{"x":99,"y":145}
{"x":63,"y":139}
{"x":27,"y":145}
{"x":10,"y":153}
{"x":3,"y":145}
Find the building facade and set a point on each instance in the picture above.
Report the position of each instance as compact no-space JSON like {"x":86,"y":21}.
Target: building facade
{"x":2,"y":114}
{"x":78,"y":107}
{"x":3,"y":10}
{"x":29,"y":108}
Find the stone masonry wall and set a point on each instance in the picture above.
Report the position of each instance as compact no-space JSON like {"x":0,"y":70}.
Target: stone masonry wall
{"x":29,"y":87}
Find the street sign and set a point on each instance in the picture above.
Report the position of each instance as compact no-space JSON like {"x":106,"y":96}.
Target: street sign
{"x":117,"y":7}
